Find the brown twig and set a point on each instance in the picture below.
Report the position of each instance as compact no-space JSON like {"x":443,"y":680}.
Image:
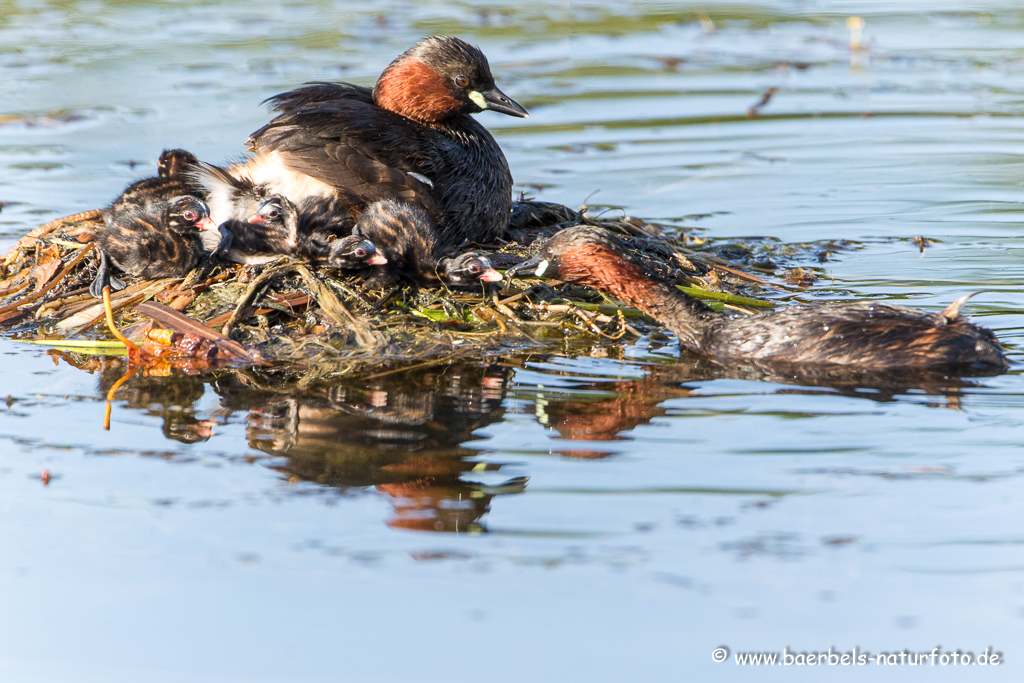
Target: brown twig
{"x":325,"y":297}
{"x":179,"y":322}
{"x":740,"y":274}
{"x":15,"y":290}
{"x":129,"y":296}
{"x":125,"y":303}
{"x":53,"y":283}
{"x":250,"y":291}
{"x":47,"y":228}
{"x":333,"y":307}
{"x":765,"y":99}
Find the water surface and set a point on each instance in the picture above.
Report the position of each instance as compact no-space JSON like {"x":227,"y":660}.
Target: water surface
{"x":612,"y":513}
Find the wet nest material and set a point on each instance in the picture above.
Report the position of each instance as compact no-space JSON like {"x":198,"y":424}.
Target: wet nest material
{"x":291,"y":317}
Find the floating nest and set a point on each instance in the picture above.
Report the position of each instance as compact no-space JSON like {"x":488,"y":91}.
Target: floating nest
{"x":290,"y":317}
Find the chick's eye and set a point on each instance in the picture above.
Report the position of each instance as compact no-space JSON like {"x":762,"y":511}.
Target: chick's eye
{"x":273,"y":213}
{"x":360,"y":252}
{"x":462,"y":81}
{"x":189,"y":215}
{"x":474,"y":269}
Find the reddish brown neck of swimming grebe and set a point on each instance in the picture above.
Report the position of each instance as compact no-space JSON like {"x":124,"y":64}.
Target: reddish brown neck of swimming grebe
{"x":414,"y":90}
{"x":597,"y":266}
{"x":600,"y":267}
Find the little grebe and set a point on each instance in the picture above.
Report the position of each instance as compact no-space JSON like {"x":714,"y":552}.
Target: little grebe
{"x":277,"y":222}
{"x":405,"y":235}
{"x":467,"y":269}
{"x":232,"y":200}
{"x":351,"y":252}
{"x":238,"y":203}
{"x":267,"y":233}
{"x":865,"y":335}
{"x":411,"y":137}
{"x":151,"y":238}
{"x":175,"y":162}
{"x":172,"y":180}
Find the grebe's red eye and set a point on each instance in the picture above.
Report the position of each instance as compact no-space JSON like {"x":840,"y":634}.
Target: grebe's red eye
{"x":474,"y":269}
{"x":190,"y":216}
{"x":273,"y":213}
{"x":360,"y":252}
{"x":462,"y":81}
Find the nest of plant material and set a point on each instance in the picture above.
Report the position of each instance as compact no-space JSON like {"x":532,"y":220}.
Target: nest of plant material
{"x":294,"y":318}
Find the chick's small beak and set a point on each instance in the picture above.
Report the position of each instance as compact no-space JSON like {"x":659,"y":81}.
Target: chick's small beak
{"x":490,"y":275}
{"x":206,"y":224}
{"x":375,"y":260}
{"x":257,"y":218}
{"x":495,"y":100}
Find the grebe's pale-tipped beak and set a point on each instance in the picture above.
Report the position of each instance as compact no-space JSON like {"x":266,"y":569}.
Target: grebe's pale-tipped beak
{"x":257,"y":218}
{"x":206,"y":224}
{"x":534,"y":267}
{"x":376,"y":260}
{"x":495,"y":100}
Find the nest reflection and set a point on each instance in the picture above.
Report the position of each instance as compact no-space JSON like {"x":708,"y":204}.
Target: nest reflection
{"x":403,"y":434}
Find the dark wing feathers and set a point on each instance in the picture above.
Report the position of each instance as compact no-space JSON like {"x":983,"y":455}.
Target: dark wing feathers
{"x":317,"y":92}
{"x":334,"y":133}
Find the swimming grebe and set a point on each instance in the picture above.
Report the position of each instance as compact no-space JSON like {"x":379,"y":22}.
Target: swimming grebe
{"x":405,"y":235}
{"x":866,"y":335}
{"x":411,"y":137}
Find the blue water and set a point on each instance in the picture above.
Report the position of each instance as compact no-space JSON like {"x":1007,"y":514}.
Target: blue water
{"x":606,"y":516}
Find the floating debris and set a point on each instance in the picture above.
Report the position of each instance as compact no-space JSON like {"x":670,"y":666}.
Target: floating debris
{"x":801,"y":277}
{"x":856,"y":26}
{"x":765,"y":99}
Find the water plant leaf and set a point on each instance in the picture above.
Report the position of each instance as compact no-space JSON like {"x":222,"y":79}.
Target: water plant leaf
{"x":725,"y":297}
{"x":76,"y":343}
{"x":435,"y":314}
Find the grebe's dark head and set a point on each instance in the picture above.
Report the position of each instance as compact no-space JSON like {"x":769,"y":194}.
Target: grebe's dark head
{"x":440,"y":77}
{"x":594,"y":257}
{"x":572,"y":254}
{"x":354,"y":252}
{"x":468,"y":268}
{"x":188,"y":214}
